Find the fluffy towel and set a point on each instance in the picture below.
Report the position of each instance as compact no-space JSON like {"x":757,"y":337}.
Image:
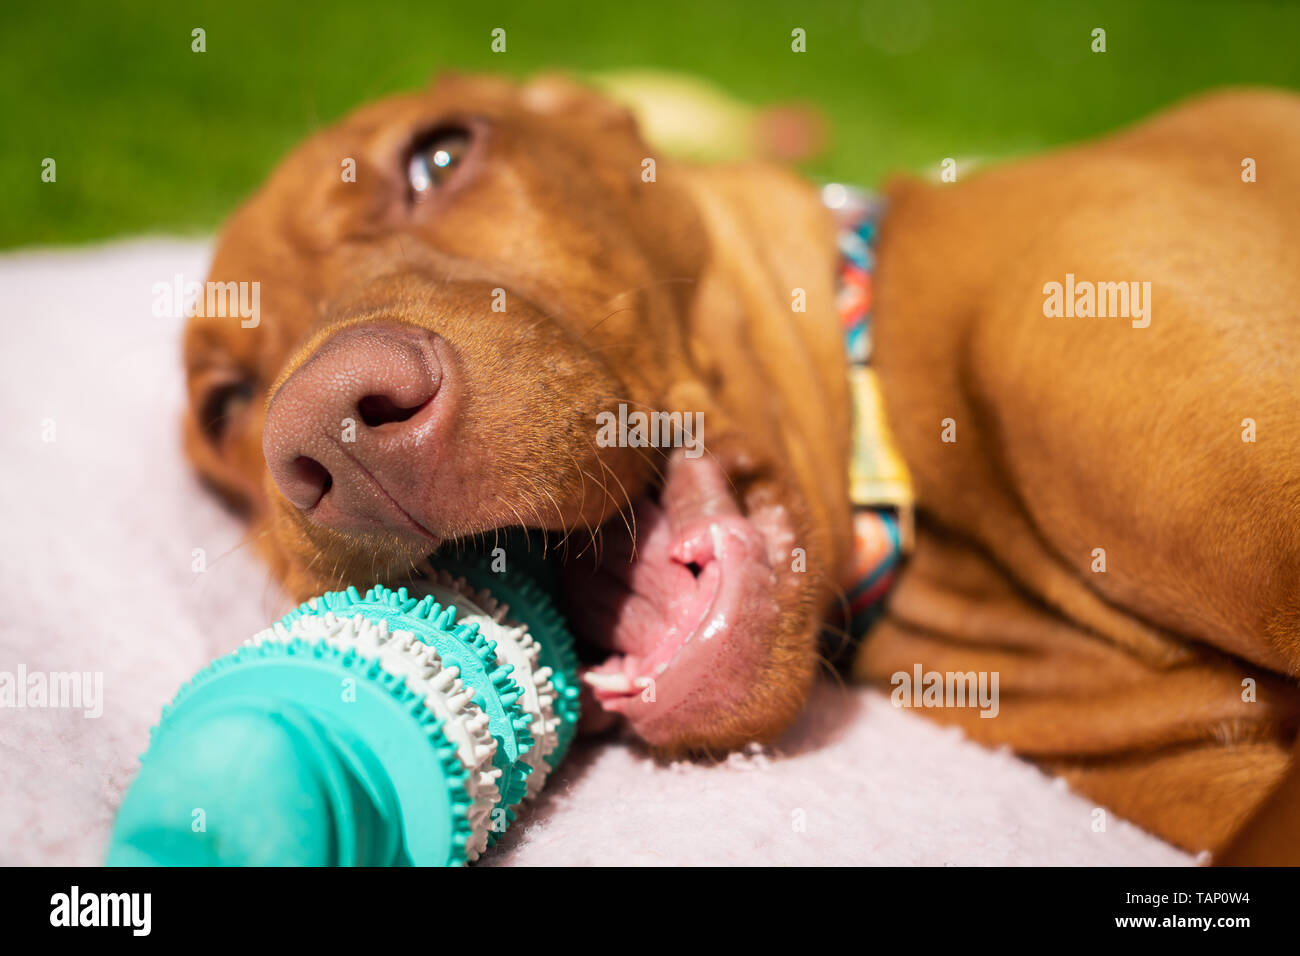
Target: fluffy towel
{"x":101,"y":519}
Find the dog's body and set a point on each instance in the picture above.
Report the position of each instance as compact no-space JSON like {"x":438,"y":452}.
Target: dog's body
{"x":1076,"y":434}
{"x":675,"y":293}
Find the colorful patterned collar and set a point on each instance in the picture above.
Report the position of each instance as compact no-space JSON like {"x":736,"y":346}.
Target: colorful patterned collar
{"x":857,"y":214}
{"x":880,"y":487}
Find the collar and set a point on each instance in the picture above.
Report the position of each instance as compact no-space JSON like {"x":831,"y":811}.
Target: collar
{"x":857,"y":216}
{"x":880,"y":486}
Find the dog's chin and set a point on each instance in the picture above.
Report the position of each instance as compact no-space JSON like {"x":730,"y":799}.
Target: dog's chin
{"x":680,"y":606}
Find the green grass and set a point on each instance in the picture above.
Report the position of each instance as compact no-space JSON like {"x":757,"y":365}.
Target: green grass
{"x":150,"y":137}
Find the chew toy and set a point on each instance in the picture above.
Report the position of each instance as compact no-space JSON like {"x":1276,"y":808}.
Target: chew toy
{"x":386,"y":728}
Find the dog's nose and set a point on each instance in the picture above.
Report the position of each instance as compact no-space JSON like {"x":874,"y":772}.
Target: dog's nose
{"x":346,"y":433}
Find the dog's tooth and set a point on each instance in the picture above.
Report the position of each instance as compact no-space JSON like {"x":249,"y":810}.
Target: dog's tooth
{"x":718,"y":538}
{"x":613,"y":683}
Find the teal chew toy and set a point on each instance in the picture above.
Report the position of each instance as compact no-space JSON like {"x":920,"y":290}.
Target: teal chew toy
{"x":390,"y":728}
{"x":533,"y":607}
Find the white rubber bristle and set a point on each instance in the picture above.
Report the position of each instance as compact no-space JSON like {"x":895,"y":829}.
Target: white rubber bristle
{"x":514,"y":647}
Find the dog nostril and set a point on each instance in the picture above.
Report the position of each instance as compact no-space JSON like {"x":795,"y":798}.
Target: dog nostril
{"x":313,"y":474}
{"x":381,"y":410}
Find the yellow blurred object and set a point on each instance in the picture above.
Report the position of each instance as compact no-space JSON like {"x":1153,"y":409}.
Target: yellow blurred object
{"x":690,"y":118}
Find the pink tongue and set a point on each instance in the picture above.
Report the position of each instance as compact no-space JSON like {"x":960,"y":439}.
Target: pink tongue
{"x":688,"y":607}
{"x":646,"y":595}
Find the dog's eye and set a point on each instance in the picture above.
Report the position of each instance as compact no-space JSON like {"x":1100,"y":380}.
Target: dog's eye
{"x":221,"y":404}
{"x":434,"y":160}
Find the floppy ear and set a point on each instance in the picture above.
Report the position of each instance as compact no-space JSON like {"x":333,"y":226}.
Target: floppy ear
{"x":764,"y":329}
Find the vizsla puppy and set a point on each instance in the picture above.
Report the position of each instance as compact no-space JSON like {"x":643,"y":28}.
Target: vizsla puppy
{"x":440,"y":332}
{"x":499,"y":274}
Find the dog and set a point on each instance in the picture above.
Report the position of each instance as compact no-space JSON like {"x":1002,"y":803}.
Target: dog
{"x":457,"y":284}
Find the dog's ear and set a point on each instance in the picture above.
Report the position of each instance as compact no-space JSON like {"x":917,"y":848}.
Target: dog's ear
{"x":771,"y":251}
{"x":763,"y":323}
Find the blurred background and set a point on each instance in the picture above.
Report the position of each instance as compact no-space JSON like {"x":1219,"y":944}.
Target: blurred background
{"x":150,"y":137}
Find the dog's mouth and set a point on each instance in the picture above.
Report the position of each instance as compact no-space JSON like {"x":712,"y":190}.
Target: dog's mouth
{"x":677,"y":607}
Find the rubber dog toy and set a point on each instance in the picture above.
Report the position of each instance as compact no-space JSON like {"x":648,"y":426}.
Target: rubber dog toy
{"x":386,"y":728}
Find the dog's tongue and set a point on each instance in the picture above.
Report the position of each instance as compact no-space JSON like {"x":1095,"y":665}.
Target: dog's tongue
{"x":682,"y":610}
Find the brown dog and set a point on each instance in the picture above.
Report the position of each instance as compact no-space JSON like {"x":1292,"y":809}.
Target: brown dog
{"x":1114,"y":529}
{"x":499,"y":274}
{"x":440,"y":331}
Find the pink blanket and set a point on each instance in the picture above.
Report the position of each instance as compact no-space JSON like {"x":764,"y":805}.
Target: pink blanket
{"x":102,"y":522}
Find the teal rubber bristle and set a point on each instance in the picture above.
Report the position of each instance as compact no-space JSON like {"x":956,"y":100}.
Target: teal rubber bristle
{"x":532,"y":606}
{"x":458,"y":645}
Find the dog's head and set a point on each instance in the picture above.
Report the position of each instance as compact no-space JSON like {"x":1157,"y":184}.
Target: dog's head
{"x":476,"y":307}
